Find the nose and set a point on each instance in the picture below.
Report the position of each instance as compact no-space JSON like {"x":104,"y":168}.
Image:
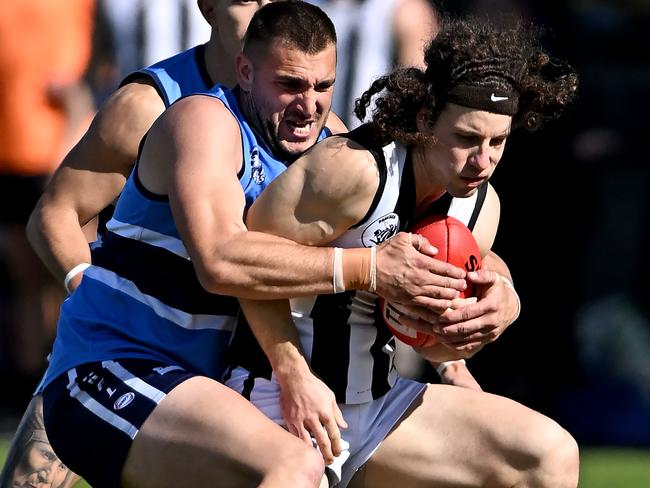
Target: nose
{"x":44,"y":475}
{"x":308,"y":102}
{"x":482,"y":157}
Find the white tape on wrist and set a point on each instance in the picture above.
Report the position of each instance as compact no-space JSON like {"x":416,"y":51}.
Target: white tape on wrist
{"x":79,"y":268}
{"x":337,"y":271}
{"x":444,"y":365}
{"x":373,"y":270}
{"x":509,"y":284}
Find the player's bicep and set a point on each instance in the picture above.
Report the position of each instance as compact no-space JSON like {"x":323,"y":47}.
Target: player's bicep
{"x":313,"y":202}
{"x":93,"y":173}
{"x":198,"y":170}
{"x":120,"y":125}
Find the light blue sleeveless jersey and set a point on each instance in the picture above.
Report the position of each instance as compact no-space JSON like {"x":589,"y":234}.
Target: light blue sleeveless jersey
{"x":178,"y":76}
{"x":141,"y":297}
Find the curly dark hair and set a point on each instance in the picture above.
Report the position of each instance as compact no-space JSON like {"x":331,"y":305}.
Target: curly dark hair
{"x":471,"y":52}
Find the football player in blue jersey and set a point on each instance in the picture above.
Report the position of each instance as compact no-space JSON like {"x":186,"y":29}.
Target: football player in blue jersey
{"x":94,"y":172}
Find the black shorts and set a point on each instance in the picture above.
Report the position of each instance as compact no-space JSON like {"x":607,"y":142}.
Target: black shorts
{"x":93,"y":412}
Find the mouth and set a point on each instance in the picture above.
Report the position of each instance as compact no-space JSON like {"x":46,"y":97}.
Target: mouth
{"x":473,"y":181}
{"x":300,"y":130}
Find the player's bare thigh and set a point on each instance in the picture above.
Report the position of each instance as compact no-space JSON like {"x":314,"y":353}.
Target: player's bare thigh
{"x":204,"y":434}
{"x":459,"y":437}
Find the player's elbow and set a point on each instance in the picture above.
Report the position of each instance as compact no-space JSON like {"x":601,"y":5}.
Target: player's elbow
{"x":34,"y":227}
{"x":216,"y":276}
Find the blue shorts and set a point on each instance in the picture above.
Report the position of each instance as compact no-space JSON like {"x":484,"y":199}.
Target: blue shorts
{"x":94,"y":411}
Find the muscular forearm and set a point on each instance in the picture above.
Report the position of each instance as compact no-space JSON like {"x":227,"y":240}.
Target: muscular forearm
{"x":58,"y":239}
{"x":271,"y":323}
{"x":262,"y":266}
{"x":308,"y":406}
{"x":259,"y":266}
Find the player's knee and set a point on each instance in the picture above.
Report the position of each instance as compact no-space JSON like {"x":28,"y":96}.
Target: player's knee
{"x":303,"y":465}
{"x":312,"y":466}
{"x":564,"y":461}
{"x":558,"y":460}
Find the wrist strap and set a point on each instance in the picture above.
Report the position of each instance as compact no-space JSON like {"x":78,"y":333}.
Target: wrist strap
{"x":354,"y":269}
{"x":79,"y":268}
{"x":373,"y":270}
{"x":509,"y":284}
{"x":445,"y":364}
{"x":337,"y":274}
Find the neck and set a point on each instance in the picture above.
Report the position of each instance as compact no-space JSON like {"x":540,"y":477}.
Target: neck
{"x":427,"y":190}
{"x":220,"y":66}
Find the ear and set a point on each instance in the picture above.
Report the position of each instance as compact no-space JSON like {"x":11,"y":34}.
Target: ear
{"x":207,"y":10}
{"x":423,"y":121}
{"x":245,"y":71}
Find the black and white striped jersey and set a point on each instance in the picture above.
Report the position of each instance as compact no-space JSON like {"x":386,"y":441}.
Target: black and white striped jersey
{"x":343,"y":335}
{"x":146,"y":31}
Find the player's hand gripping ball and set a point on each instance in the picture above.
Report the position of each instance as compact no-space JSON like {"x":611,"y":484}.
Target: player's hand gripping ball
{"x":456,"y":245}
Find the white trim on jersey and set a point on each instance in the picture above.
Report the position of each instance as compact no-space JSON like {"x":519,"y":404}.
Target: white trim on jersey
{"x":98,"y":409}
{"x":138,"y":233}
{"x":463,"y":208}
{"x":178,"y":317}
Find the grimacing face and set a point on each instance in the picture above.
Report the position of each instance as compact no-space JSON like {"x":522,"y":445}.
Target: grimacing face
{"x":287,"y":95}
{"x":469,"y":144}
{"x":39,"y":467}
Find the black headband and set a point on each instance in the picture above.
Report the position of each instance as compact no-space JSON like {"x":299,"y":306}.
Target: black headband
{"x":493,"y":100}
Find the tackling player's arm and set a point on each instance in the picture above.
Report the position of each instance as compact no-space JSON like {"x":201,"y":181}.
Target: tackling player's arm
{"x":208,"y":204}
{"x":199,"y":172}
{"x":91,"y":177}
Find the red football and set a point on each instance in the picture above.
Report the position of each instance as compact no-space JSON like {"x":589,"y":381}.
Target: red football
{"x":456,"y":245}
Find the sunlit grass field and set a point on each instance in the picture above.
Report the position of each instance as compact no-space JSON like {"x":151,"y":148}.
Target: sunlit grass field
{"x":600,"y":468}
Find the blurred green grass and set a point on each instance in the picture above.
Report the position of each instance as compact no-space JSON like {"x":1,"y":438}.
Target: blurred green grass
{"x":614,"y":468}
{"x":599,"y":467}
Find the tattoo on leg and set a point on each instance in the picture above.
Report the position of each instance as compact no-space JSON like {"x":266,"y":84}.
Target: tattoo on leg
{"x":31,"y":460}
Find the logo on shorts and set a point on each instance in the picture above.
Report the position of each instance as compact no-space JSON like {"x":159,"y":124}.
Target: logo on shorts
{"x":123,"y":400}
{"x":380,"y":230}
{"x":162,"y":370}
{"x":257,"y":171}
